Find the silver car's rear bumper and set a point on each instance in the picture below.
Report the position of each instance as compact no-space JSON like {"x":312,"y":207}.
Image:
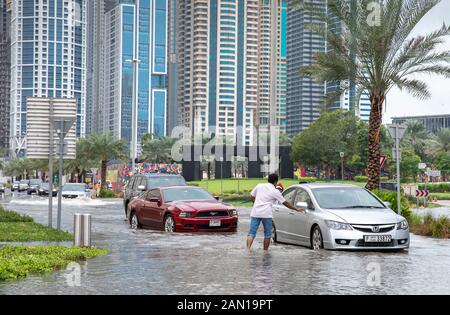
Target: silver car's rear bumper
{"x":355,"y":239}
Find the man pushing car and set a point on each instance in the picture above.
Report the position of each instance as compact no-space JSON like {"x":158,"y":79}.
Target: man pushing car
{"x":265,"y":196}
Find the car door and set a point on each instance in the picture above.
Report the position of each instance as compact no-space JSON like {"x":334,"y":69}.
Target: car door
{"x":300,"y":223}
{"x":152,"y":211}
{"x":282,"y":216}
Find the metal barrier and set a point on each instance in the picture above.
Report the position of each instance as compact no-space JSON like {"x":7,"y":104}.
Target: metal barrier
{"x":82,"y":225}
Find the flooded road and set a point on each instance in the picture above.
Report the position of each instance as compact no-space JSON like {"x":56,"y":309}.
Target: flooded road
{"x":148,"y":262}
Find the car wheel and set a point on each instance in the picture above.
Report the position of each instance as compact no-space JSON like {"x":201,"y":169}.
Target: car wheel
{"x":169,"y":224}
{"x":274,"y":234}
{"x":28,"y":193}
{"x":316,"y":238}
{"x":126,"y":208}
{"x":134,"y":221}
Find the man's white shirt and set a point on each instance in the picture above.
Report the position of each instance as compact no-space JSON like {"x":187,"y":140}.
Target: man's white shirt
{"x":266,"y":195}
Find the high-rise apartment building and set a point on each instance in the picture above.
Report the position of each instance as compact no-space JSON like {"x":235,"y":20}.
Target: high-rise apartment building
{"x":225,"y":68}
{"x":5,"y":72}
{"x":48,"y":57}
{"x":95,"y":50}
{"x":140,"y":26}
{"x":305,"y":97}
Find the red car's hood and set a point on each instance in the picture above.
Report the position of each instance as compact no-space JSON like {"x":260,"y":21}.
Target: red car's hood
{"x":199,"y":205}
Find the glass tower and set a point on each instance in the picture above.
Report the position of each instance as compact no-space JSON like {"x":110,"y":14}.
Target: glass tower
{"x":48,"y":56}
{"x":149,"y":18}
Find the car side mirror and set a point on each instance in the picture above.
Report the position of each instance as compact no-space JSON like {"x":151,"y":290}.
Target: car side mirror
{"x":302,"y":205}
{"x":141,"y":188}
{"x":217,"y":198}
{"x":387,"y":204}
{"x":154,"y":200}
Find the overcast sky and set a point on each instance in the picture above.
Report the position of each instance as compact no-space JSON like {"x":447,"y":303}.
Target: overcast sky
{"x":401,"y":103}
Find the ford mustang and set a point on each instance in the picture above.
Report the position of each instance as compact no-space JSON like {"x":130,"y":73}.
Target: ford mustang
{"x":181,"y":209}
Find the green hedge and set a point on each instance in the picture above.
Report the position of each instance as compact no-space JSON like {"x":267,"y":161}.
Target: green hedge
{"x":11,"y":216}
{"x":361,"y":179}
{"x":106,"y":194}
{"x":391,"y":197}
{"x":436,"y":187}
{"x":307,"y":179}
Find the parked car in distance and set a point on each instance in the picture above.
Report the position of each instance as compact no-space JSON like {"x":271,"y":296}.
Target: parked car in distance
{"x":23,"y":185}
{"x":15,"y":186}
{"x":33,"y":186}
{"x":181,"y":209}
{"x":143,"y":182}
{"x":43,"y":190}
{"x":339,"y":217}
{"x":2,"y":189}
{"x":72,"y":190}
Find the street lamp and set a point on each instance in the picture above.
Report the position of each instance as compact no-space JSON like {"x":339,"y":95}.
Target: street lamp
{"x":134,"y":123}
{"x":342,"y":155}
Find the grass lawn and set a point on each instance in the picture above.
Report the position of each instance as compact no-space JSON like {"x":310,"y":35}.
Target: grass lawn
{"x":17,"y":228}
{"x":440,"y":196}
{"x":246,"y":185}
{"x":19,"y":261}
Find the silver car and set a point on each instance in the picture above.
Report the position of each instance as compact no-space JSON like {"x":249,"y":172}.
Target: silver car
{"x":339,"y":217}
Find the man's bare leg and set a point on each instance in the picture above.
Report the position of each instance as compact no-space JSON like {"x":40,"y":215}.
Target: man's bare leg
{"x":266,"y":244}
{"x":250,"y":240}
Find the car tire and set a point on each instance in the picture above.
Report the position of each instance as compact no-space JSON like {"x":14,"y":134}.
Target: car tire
{"x":134,"y":221}
{"x":274,"y":234}
{"x":169,"y":224}
{"x":126,"y":208}
{"x":29,"y":193}
{"x":316,"y":238}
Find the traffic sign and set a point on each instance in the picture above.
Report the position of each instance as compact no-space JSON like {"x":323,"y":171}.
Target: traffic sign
{"x":422,"y":193}
{"x":397,"y":131}
{"x":383,"y":159}
{"x":422,"y":166}
{"x":434,"y":173}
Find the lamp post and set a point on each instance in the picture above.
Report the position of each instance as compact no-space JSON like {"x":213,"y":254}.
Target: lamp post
{"x":342,"y":155}
{"x":135,"y":61}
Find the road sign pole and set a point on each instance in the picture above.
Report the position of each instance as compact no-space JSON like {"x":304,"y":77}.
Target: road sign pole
{"x":397,"y":153}
{"x":50,"y":169}
{"x":61,"y":154}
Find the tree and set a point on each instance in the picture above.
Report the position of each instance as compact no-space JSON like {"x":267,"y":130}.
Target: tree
{"x":409,"y":165}
{"x":377,"y":55}
{"x":103,"y":148}
{"x":441,"y":143}
{"x":417,"y":137}
{"x":335,"y":132}
{"x":83,"y":161}
{"x":443,"y":164}
{"x":157,"y":150}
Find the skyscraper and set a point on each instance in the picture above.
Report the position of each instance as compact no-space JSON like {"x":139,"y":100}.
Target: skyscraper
{"x":95,"y":50}
{"x":305,"y":97}
{"x":225,"y":65}
{"x":151,"y":25}
{"x":48,"y":53}
{"x":5,"y":73}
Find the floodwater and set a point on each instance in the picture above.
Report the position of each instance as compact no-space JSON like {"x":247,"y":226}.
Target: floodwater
{"x":149,"y":262}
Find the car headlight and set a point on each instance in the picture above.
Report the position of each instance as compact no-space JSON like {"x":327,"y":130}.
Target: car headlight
{"x":185,"y":215}
{"x":338,"y":225}
{"x":403,"y":225}
{"x":233,"y":213}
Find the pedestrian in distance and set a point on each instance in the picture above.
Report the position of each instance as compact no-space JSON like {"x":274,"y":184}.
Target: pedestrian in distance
{"x":264,"y":197}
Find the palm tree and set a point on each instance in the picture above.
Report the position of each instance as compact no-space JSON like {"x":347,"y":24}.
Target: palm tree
{"x":103,"y":148}
{"x":377,"y":56}
{"x":441,"y":143}
{"x":417,"y":137}
{"x":83,"y":160}
{"x":157,"y":150}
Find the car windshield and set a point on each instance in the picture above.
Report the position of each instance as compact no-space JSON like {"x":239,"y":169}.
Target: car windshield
{"x":346,"y":198}
{"x":165,"y":181}
{"x":186,"y":194}
{"x":24,"y":181}
{"x":35,"y":182}
{"x":44,"y":185}
{"x":74,"y":188}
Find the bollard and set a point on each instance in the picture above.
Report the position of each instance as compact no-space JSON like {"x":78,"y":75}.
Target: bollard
{"x":87,"y":230}
{"x":82,"y":230}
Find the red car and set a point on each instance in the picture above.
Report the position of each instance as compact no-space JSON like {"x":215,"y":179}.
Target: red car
{"x":181,"y":209}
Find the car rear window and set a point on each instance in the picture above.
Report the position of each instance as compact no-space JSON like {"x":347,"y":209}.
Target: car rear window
{"x":165,"y":181}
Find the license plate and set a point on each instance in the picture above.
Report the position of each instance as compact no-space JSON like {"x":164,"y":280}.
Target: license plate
{"x":378,"y":239}
{"x":214,"y":223}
